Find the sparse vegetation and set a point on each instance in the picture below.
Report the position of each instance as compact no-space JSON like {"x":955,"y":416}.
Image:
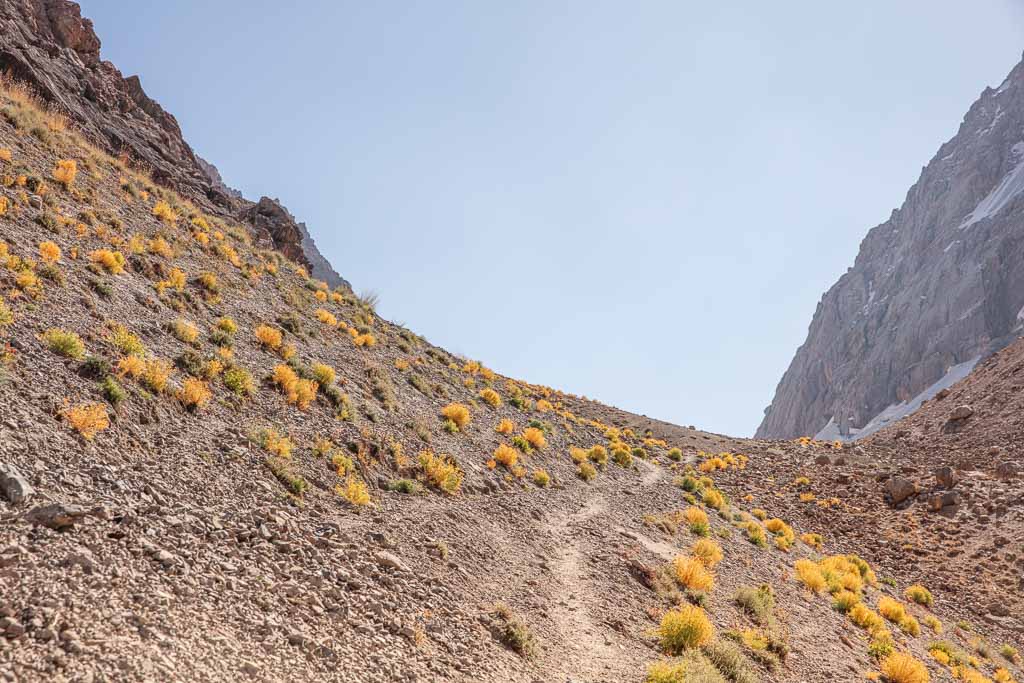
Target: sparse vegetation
{"x":457,"y":414}
{"x":441,"y":471}
{"x":903,"y":668}
{"x":88,"y":419}
{"x":919,"y":594}
{"x":64,"y":343}
{"x":684,"y":628}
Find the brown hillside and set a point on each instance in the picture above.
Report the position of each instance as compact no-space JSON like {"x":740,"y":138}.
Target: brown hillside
{"x":213,"y":467}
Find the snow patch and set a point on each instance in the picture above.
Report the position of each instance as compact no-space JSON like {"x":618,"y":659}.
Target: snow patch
{"x":1009,"y":187}
{"x":898,"y":411}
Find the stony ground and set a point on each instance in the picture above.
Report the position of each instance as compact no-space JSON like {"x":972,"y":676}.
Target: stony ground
{"x":173,"y":544}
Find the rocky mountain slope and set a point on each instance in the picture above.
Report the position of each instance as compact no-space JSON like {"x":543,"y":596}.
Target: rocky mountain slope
{"x":934,"y":288}
{"x":48,"y":44}
{"x":215,"y":466}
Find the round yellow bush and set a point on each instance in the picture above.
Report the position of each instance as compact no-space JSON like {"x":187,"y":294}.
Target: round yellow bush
{"x":902,"y":668}
{"x":684,"y":628}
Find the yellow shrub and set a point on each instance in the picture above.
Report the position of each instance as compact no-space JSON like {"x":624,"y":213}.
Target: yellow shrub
{"x":176,"y":279}
{"x":185,"y":331}
{"x":65,"y":171}
{"x":667,"y":672}
{"x":124,"y":341}
{"x":159,"y":246}
{"x":88,"y":419}
{"x":28,"y":282}
{"x":275,"y":443}
{"x":939,"y":656}
{"x":268,"y":336}
{"x":598,"y":454}
{"x":707,"y":551}
{"x":813,"y":540}
{"x":366,"y":339}
{"x":326,"y":317}
{"x":110,"y":261}
{"x":4,"y":205}
{"x":64,"y":343}
{"x":903,"y":668}
{"x":586,"y":471}
{"x":323,"y":374}
{"x":866,"y":618}
{"x":133,"y":366}
{"x":759,"y":513}
{"x":228,"y":325}
{"x":919,"y":594}
{"x":544,"y":406}
{"x":286,"y":351}
{"x":691,"y":573}
{"x":457,"y":413}
{"x":208,"y":281}
{"x":155,"y":374}
{"x":696,"y":520}
{"x":490,"y":397}
{"x":541,"y":478}
{"x":194,"y":393}
{"x":910,"y":626}
{"x":354,"y":491}
{"x":5,"y":154}
{"x":165,"y":213}
{"x":810,"y":575}
{"x":892,"y":610}
{"x":49,"y":252}
{"x":535,"y":437}
{"x":401,"y":364}
{"x":212,"y":368}
{"x":441,"y":471}
{"x":684,"y":628}
{"x":932,"y":622}
{"x":506,"y":455}
{"x":505,"y":426}
{"x":845,"y":600}
{"x":713,"y":499}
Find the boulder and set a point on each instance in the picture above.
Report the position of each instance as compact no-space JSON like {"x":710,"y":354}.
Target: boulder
{"x":899,"y":489}
{"x":943,"y":500}
{"x":56,"y":516}
{"x":961,"y":413}
{"x":13,"y":485}
{"x":946,"y":477}
{"x":1007,"y":470}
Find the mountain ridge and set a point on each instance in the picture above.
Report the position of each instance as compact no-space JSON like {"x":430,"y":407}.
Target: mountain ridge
{"x":48,"y":44}
{"x":936,"y":285}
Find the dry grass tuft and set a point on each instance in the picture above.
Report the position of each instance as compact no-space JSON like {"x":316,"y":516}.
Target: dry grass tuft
{"x":684,"y":628}
{"x":903,"y":668}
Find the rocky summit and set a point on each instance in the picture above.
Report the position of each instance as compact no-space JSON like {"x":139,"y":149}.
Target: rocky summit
{"x":218,"y":463}
{"x":934,"y":289}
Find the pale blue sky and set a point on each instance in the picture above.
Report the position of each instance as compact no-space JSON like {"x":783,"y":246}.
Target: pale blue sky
{"x":641,"y":202}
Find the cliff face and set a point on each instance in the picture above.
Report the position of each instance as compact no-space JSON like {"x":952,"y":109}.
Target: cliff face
{"x":938,"y":285}
{"x":49,"y":45}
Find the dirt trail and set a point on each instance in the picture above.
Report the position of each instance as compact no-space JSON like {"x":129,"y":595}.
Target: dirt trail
{"x":595,"y":649}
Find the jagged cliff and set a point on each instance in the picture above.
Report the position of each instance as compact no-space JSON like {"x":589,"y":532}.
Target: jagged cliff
{"x":934,"y":288}
{"x":48,"y":44}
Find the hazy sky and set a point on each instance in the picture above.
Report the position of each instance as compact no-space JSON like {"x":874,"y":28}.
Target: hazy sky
{"x":642,"y":202}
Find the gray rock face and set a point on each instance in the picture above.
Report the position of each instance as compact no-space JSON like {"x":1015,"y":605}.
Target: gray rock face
{"x":50,"y":46}
{"x":938,"y":284}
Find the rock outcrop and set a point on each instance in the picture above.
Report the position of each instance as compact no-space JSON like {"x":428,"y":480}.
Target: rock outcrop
{"x":50,"y":46}
{"x":935,"y":288}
